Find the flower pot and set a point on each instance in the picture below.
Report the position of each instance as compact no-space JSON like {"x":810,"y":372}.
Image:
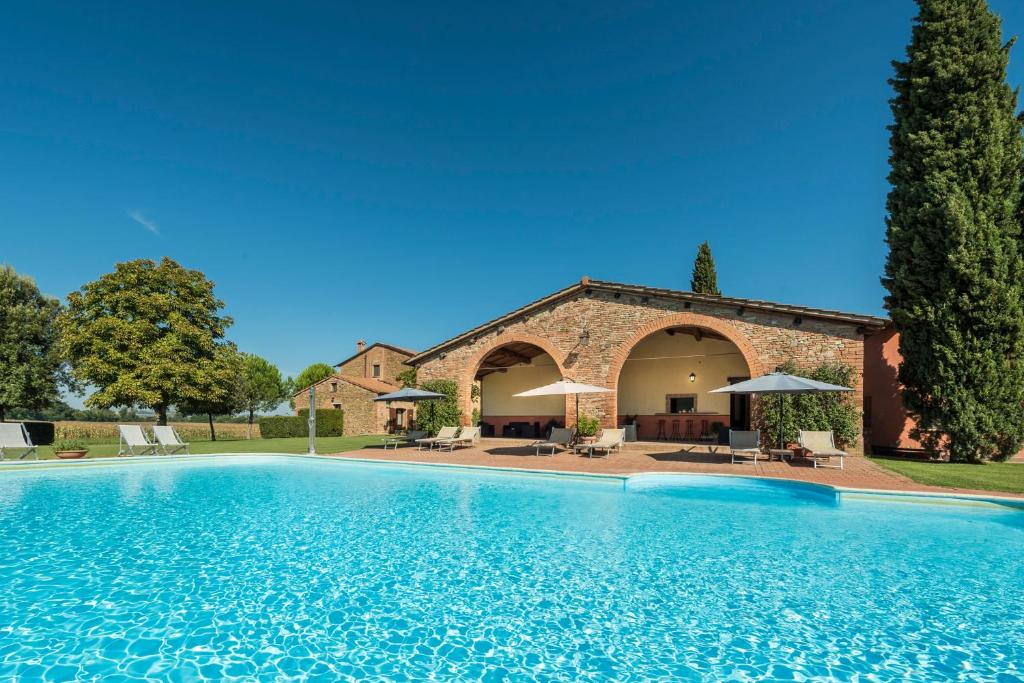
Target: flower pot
{"x":71,"y":455}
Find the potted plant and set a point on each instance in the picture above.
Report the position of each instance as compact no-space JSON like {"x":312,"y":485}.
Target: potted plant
{"x":586,"y":428}
{"x":69,"y":449}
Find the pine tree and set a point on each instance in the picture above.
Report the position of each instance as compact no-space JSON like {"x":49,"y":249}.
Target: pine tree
{"x":954,"y":266}
{"x":704,"y":279}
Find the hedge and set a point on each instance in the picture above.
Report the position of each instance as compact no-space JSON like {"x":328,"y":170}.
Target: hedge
{"x":328,"y":423}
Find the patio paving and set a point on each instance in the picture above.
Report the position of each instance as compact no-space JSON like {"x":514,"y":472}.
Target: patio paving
{"x":860,"y":472}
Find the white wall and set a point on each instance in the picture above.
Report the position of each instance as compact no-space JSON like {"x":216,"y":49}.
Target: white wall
{"x":498,"y":388}
{"x":661,"y":365}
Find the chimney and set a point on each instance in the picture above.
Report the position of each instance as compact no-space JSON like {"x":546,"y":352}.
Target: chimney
{"x":360,"y":345}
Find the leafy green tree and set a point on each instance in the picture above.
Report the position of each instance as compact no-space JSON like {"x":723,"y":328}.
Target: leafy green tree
{"x":145,"y":334}
{"x":813,"y":412}
{"x":954,"y":267}
{"x":407,"y":377}
{"x":262,"y":387}
{"x":705,"y":278}
{"x":432,"y":415}
{"x":222,"y":382}
{"x":311,"y":375}
{"x":31,"y":372}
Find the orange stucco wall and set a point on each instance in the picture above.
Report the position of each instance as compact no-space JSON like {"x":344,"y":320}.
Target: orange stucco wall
{"x":886,"y":423}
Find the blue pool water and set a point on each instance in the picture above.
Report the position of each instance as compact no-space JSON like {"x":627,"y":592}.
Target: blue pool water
{"x":276,"y":568}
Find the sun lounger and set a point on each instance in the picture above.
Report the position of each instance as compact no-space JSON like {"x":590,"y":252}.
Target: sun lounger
{"x":469,"y":436}
{"x":560,"y":437}
{"x":133,"y":441}
{"x":820,"y":446}
{"x":403,"y":439}
{"x":169,"y":440}
{"x":14,"y":437}
{"x":442,"y":434}
{"x":610,"y":440}
{"x":744,"y":444}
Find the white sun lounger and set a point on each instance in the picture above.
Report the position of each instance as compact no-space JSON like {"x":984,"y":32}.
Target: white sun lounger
{"x":610,"y":440}
{"x":821,"y":446}
{"x":399,"y":440}
{"x":168,"y":439}
{"x":14,"y":437}
{"x":560,"y":437}
{"x":467,"y":437}
{"x":133,"y":441}
{"x":744,"y":443}
{"x":442,"y":434}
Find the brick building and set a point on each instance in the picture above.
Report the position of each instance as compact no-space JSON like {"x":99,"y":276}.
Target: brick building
{"x":660,"y":351}
{"x":373,"y":370}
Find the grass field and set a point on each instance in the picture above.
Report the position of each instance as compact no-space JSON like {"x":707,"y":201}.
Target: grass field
{"x":1004,"y":477}
{"x":330,"y":444}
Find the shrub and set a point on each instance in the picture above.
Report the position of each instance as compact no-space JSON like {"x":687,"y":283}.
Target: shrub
{"x":819,"y":412}
{"x":328,"y":423}
{"x":41,"y":433}
{"x":68,"y":445}
{"x":588,"y":426}
{"x":432,"y":415}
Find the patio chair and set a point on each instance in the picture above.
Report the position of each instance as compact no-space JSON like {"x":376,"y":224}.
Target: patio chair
{"x":131,"y":437}
{"x":560,"y":437}
{"x":442,"y":434}
{"x":14,"y":437}
{"x":168,"y":439}
{"x":610,"y":440}
{"x":744,"y":443}
{"x":820,"y":446}
{"x":469,"y":436}
{"x":406,"y":439}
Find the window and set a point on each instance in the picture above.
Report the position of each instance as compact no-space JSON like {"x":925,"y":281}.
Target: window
{"x":681,"y":403}
{"x":376,"y":369}
{"x":400,"y":417}
{"x":334,"y":387}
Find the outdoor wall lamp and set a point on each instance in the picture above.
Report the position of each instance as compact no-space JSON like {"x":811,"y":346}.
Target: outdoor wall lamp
{"x":693,"y":377}
{"x":584,"y":337}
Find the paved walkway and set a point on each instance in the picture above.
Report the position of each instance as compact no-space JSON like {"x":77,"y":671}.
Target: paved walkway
{"x":860,"y":472}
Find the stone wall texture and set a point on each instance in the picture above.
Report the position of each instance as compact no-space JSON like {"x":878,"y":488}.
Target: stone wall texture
{"x":617,"y":322}
{"x":362,"y":414}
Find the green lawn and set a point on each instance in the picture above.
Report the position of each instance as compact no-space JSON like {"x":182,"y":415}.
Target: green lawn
{"x":330,"y":444}
{"x":988,"y":477}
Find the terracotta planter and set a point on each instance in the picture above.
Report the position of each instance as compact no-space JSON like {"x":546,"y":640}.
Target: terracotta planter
{"x":71,"y":455}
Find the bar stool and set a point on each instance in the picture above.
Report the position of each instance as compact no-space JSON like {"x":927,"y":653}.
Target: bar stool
{"x":676,"y":436}
{"x":705,"y":435}
{"x":661,"y":431}
{"x":689,"y":430}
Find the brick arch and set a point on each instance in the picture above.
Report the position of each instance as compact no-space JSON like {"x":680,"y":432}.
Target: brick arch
{"x":722,"y":327}
{"x":474,"y":363}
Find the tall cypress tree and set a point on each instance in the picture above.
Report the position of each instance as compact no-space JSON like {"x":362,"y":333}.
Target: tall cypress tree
{"x":704,"y":279}
{"x":954,"y":266}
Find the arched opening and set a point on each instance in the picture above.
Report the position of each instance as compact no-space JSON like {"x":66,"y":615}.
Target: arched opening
{"x":507,"y":370}
{"x":664,"y":384}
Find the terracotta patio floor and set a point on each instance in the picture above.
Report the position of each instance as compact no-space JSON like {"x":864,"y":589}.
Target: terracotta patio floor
{"x":860,"y":472}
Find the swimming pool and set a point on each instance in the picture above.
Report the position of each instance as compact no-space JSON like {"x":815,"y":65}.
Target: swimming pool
{"x":277,"y":567}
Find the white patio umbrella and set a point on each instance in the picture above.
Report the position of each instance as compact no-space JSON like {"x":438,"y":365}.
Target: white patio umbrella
{"x":780,"y":383}
{"x":565,"y":387}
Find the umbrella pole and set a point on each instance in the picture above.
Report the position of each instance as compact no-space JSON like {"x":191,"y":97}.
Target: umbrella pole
{"x":782,"y":422}
{"x":577,"y":412}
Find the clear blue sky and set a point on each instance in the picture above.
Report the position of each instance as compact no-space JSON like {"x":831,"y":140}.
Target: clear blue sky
{"x":401,"y":173}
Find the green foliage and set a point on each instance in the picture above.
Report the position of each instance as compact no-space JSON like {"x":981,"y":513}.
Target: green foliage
{"x":145,"y":334}
{"x":221,"y":382}
{"x":834,"y":412}
{"x":69,"y":445}
{"x":954,"y":269}
{"x":705,"y":278}
{"x":31,"y":371}
{"x":311,"y":375}
{"x":407,"y":378}
{"x":588,"y":426}
{"x":432,"y":415}
{"x":261,"y":388}
{"x":328,"y":423}
{"x":475,"y":419}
